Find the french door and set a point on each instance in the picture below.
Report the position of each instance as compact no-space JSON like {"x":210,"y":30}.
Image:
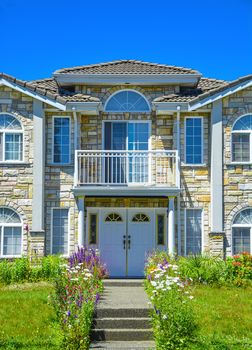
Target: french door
{"x":129,"y":159}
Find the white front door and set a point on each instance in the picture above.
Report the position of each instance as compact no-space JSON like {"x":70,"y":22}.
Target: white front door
{"x":126,"y":236}
{"x":141,"y":238}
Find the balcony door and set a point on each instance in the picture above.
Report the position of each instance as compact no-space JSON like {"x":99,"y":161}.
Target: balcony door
{"x":128,"y":159}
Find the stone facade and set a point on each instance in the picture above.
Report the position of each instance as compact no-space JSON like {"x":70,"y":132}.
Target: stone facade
{"x":16,"y":180}
{"x":237,"y":178}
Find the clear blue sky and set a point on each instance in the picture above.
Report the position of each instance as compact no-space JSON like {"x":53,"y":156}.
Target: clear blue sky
{"x":40,"y":36}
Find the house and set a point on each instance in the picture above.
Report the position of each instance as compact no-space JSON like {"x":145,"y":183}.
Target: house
{"x":125,"y":156}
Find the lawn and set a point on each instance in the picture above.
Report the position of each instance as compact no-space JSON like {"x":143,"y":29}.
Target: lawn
{"x":224,"y":315}
{"x":26,"y":317}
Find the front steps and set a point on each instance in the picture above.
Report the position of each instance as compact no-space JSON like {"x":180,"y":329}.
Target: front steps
{"x":122,"y":317}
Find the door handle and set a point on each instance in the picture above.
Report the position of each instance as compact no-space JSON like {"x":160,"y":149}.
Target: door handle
{"x":129,"y":241}
{"x":124,"y":244}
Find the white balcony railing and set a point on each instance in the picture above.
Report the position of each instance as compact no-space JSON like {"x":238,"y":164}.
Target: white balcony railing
{"x":140,"y":168}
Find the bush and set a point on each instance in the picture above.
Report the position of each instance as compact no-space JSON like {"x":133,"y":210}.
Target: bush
{"x":203,"y":269}
{"x":77,"y":290}
{"x":173,"y":319}
{"x":240,"y":268}
{"x":30,"y":269}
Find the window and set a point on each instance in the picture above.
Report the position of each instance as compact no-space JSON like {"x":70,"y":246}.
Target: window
{"x":140,"y":218}
{"x":60,"y":231}
{"x":160,"y":229}
{"x":93,"y":226}
{"x":241,"y":139}
{"x":127,"y":101}
{"x":61,"y":140}
{"x":11,"y":139}
{"x":113,"y":217}
{"x":10,"y":233}
{"x":193,"y":228}
{"x":241,"y":232}
{"x":194,"y":140}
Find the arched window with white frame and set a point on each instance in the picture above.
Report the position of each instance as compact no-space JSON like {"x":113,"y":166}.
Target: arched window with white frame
{"x":11,"y":138}
{"x":127,"y":101}
{"x":242,"y":140}
{"x":242,"y":232}
{"x":10,"y":233}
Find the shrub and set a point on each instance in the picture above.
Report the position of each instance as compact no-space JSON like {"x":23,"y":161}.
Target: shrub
{"x":77,"y":290}
{"x":173,"y":319}
{"x":203,"y":269}
{"x":240,"y":268}
{"x":30,"y":269}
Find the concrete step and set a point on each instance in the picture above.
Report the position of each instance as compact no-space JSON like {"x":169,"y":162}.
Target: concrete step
{"x":121,"y":334}
{"x":128,"y":323}
{"x":121,"y":313}
{"x":126,"y":345}
{"x":126,"y":282}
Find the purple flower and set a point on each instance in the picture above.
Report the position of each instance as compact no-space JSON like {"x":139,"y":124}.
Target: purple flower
{"x":68,"y":313}
{"x":97,"y":298}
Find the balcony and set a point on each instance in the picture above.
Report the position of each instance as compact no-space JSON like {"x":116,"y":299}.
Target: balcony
{"x":126,"y":169}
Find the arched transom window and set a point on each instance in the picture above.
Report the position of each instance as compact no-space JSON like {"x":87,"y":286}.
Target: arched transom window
{"x":242,"y":139}
{"x":11,"y":138}
{"x":140,"y":218}
{"x":127,"y":101}
{"x":10,"y":233}
{"x":242,"y":231}
{"x":113,"y":217}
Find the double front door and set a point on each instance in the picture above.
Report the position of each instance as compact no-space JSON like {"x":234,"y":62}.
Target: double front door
{"x":126,"y":236}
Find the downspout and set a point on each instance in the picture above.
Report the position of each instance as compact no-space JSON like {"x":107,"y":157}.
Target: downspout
{"x":178,"y":197}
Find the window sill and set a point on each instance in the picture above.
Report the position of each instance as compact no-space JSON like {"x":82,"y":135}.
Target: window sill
{"x":203,"y":165}
{"x":59,"y":164}
{"x":10,"y":256}
{"x":14,"y":163}
{"x":239,"y":163}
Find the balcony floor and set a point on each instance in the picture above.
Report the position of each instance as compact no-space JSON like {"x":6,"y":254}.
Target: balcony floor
{"x":124,"y":191}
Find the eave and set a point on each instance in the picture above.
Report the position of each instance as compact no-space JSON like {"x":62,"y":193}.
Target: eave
{"x":129,"y":79}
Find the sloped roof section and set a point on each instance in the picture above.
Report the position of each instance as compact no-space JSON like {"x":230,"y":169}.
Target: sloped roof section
{"x":187,"y":94}
{"x":127,"y":67}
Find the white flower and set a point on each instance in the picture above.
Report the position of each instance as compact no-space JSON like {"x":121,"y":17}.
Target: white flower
{"x":153,"y":283}
{"x":165,"y":317}
{"x":190,"y":297}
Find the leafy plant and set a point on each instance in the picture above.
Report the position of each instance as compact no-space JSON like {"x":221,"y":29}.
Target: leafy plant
{"x":240,"y":268}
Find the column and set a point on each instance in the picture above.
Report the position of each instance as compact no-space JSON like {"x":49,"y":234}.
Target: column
{"x":216,"y":168}
{"x":171,"y":226}
{"x":81,"y":221}
{"x":37,"y":233}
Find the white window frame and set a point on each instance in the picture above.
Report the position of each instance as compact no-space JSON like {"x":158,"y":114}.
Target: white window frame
{"x":202,"y":141}
{"x":14,"y":131}
{"x":241,"y":132}
{"x":68,"y":233}
{"x":202,"y":229}
{"x":121,"y":112}
{"x":241,"y":226}
{"x":2,"y":225}
{"x":149,"y":143}
{"x":70,"y":126}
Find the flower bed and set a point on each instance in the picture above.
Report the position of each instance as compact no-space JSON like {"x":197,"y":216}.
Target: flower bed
{"x":172,"y":318}
{"x":77,"y":291}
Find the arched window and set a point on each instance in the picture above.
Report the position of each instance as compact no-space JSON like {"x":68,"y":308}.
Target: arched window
{"x":140,"y":218}
{"x":127,"y":101}
{"x":10,"y":233}
{"x":113,"y":217}
{"x":11,"y":139}
{"x":242,"y":139}
{"x":241,"y":232}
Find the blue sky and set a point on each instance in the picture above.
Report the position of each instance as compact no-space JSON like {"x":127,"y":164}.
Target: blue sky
{"x":38,"y":37}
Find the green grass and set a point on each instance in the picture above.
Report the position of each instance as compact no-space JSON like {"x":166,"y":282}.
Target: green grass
{"x":224,"y":316}
{"x":26,"y":317}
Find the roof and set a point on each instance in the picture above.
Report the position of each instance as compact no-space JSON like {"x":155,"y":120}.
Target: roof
{"x":48,"y":88}
{"x":127,"y":67}
{"x":186,"y":95}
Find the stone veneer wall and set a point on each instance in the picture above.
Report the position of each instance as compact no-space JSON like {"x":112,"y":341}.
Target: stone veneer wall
{"x":237,"y":178}
{"x":16,"y":180}
{"x":58,"y":184}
